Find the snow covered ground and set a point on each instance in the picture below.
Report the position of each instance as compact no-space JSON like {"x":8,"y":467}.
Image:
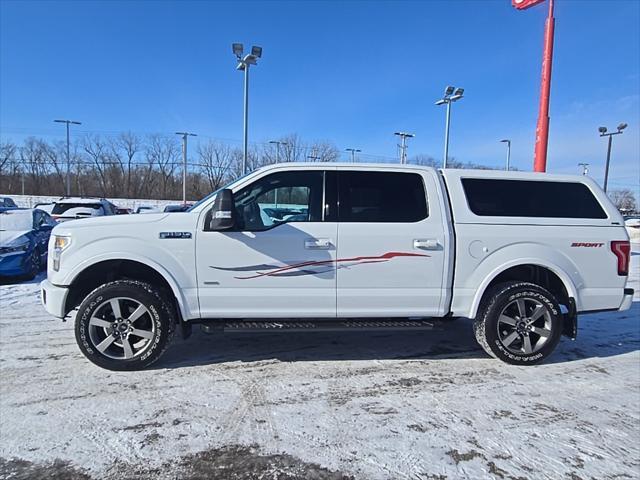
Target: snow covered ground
{"x":377,"y":405}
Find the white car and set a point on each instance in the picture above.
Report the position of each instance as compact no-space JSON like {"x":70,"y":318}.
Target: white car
{"x":520,"y":253}
{"x":72,"y":208}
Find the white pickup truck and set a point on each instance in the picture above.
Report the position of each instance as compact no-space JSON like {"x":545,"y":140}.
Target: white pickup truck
{"x":337,"y":245}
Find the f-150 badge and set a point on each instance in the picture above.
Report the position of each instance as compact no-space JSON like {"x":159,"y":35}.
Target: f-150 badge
{"x":169,"y":235}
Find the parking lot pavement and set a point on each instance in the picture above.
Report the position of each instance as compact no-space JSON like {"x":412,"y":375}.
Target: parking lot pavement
{"x":376,"y":405}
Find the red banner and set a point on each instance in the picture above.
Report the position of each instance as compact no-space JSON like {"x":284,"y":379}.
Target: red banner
{"x":524,"y":4}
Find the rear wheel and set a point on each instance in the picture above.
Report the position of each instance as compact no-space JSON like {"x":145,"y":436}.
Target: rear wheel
{"x":124,"y":325}
{"x":519,"y":323}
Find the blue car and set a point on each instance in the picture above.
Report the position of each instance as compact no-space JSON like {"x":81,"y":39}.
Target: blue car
{"x":24,"y":236}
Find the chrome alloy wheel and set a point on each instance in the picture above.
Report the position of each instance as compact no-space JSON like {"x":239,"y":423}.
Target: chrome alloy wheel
{"x":524,"y":326}
{"x":121,"y":328}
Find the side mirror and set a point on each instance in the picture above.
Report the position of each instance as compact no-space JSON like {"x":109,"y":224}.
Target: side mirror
{"x":222,"y":215}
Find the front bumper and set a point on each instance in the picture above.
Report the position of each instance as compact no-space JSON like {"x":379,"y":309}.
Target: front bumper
{"x":627,"y":299}
{"x":53,"y":298}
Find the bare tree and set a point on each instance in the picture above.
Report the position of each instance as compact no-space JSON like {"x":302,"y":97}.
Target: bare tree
{"x":325,"y":152}
{"x":9,"y":166}
{"x":124,"y":149}
{"x":216,"y":160}
{"x":96,"y":149}
{"x":623,"y":199}
{"x":163,"y":152}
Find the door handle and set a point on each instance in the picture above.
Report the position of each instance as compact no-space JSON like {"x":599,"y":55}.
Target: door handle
{"x":318,"y":243}
{"x":426,"y":244}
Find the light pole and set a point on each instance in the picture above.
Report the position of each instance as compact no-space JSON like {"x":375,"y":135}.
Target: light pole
{"x":585,"y":168}
{"x":508,"y":142}
{"x":403,"y":145}
{"x":353,"y":153}
{"x":68,"y":176}
{"x":184,"y":135}
{"x":277,"y":143}
{"x":603,"y":133}
{"x":243,"y":64}
{"x":451,"y":95}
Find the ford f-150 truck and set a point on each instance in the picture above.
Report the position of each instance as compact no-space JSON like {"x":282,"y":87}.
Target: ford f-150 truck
{"x":337,"y":245}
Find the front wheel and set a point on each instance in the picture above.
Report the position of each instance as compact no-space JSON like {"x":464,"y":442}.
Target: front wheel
{"x":124,"y":325}
{"x":519,"y":323}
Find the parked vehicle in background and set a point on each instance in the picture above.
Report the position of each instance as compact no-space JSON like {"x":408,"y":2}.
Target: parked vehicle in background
{"x":331,"y":244}
{"x":24,"y":236}
{"x":7,"y":202}
{"x":123,"y":211}
{"x":177,"y":208}
{"x":632,"y":222}
{"x":45,"y":207}
{"x":147,"y":209}
{"x":72,"y":208}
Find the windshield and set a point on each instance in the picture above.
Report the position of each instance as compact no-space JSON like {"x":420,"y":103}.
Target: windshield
{"x":60,"y":208}
{"x":14,"y":221}
{"x":229,"y":185}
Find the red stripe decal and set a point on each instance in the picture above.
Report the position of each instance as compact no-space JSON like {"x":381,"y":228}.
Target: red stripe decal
{"x":381,"y":258}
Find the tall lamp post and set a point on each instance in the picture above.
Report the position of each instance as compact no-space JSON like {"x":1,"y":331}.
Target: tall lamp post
{"x":603,"y":133}
{"x":277,"y":143}
{"x":403,"y":145}
{"x":68,"y":176}
{"x":451,"y":95}
{"x":585,"y":168}
{"x":508,"y":142}
{"x":184,"y":135}
{"x":243,"y":65}
{"x":353,"y":153}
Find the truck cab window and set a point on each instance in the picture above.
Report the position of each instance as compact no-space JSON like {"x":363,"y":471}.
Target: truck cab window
{"x":381,"y":197}
{"x":284,"y":197}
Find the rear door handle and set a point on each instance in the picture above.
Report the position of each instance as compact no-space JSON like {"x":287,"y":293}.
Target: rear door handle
{"x":426,"y":244}
{"x":318,"y":243}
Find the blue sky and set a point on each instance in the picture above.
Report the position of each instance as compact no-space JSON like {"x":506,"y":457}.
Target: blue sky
{"x":348,"y":72}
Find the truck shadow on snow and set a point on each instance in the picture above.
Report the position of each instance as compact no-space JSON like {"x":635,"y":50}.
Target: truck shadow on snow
{"x":599,"y":335}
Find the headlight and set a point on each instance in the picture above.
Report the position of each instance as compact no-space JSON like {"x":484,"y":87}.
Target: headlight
{"x":60,"y":243}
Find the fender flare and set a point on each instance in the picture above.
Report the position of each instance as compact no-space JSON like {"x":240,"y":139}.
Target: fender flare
{"x":559,"y":272}
{"x":111,"y":256}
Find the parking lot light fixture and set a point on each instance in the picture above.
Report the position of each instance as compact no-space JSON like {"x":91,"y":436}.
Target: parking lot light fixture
{"x":508,"y":142}
{"x":68,"y":176}
{"x":451,"y":95}
{"x":353,"y":153}
{"x":603,"y":133}
{"x":403,"y":145}
{"x":277,"y":143}
{"x":184,"y":136}
{"x":243,"y":65}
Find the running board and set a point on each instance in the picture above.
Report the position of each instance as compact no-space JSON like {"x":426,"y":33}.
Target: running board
{"x":229,"y":326}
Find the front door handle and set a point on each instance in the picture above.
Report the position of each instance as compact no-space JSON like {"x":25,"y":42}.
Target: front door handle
{"x":318,"y":243}
{"x":426,"y":244}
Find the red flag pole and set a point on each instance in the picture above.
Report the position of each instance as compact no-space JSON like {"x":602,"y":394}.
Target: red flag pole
{"x":542,"y":129}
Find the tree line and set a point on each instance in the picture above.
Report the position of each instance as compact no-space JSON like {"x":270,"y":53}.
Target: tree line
{"x":140,"y":166}
{"x":128,"y":165}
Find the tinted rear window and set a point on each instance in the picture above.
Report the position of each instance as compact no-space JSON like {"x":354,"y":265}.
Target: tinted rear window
{"x":522,"y":198}
{"x":60,"y":208}
{"x":385,"y":197}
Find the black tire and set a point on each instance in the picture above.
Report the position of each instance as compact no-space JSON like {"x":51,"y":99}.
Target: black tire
{"x":158,"y":322}
{"x":493,"y":334}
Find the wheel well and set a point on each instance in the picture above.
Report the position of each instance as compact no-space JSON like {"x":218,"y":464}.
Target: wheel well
{"x":541,"y":276}
{"x":111,"y":270}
